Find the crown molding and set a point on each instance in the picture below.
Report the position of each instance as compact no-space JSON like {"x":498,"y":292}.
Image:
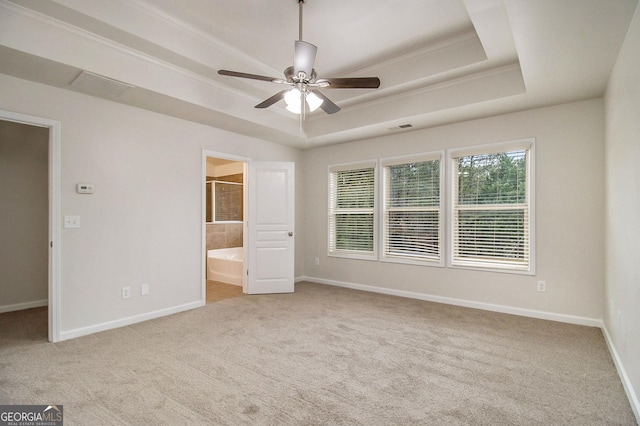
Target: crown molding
{"x":495,"y":83}
{"x":29,"y":17}
{"x":213,"y":42}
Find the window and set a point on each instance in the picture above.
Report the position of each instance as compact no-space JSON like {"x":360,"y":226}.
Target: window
{"x":489,"y":221}
{"x":412,"y":209}
{"x":351,"y":210}
{"x":492,"y":208}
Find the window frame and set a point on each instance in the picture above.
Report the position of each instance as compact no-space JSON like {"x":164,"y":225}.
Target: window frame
{"x":331,"y":211}
{"x":452,"y":156}
{"x":384,"y":209}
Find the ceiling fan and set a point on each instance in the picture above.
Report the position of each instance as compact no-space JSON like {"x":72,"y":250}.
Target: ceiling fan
{"x":304,"y":81}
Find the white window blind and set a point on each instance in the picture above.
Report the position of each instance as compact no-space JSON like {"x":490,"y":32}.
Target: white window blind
{"x":492,"y":209}
{"x":351,"y":210}
{"x":412,"y":209}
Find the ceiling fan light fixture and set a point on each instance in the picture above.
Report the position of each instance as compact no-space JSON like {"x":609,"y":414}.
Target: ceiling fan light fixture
{"x":313,"y":101}
{"x":292,"y":99}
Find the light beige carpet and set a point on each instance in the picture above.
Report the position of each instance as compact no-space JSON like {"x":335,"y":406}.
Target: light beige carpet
{"x":320,"y":356}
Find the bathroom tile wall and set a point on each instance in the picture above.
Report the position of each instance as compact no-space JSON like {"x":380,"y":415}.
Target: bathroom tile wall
{"x":224,"y":235}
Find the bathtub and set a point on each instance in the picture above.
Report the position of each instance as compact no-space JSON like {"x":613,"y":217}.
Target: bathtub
{"x":225,"y":265}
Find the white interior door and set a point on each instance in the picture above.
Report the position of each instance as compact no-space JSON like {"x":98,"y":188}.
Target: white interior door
{"x":270,"y":228}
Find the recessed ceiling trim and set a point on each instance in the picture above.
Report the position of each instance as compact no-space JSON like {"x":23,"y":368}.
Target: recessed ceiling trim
{"x":23,"y":14}
{"x":421,"y":70}
{"x":494,"y":84}
{"x":40,"y":26}
{"x":506,"y":71}
{"x":144,"y":16}
{"x":562,"y":53}
{"x":189,"y":30}
{"x":447,"y":43}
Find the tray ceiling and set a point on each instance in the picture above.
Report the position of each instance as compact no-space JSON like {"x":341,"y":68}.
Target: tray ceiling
{"x":439,"y":61}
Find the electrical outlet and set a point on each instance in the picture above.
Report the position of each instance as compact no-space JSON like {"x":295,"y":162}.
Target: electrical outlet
{"x":144,"y":289}
{"x":317,"y":261}
{"x":542,"y":286}
{"x":126,"y":292}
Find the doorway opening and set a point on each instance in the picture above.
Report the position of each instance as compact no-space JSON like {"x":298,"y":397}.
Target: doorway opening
{"x":224,"y":214}
{"x":30,"y":167}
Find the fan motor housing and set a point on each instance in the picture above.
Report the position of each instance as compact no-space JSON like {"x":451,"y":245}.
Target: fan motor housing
{"x":291,"y":78}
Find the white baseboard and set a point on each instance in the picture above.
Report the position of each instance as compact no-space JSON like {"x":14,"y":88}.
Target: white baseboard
{"x":628,"y":387}
{"x":551,"y":316}
{"x":25,"y":305}
{"x":109,"y":325}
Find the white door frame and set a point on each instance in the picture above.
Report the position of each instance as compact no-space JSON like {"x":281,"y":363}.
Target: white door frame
{"x":207,"y":153}
{"x":54,"y":213}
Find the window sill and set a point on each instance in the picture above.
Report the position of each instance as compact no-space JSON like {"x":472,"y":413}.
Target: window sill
{"x":356,"y":256}
{"x":494,"y":269}
{"x":417,"y":261}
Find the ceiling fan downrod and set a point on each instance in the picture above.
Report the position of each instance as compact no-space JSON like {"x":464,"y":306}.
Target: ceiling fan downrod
{"x":304,"y":53}
{"x":300,"y":4}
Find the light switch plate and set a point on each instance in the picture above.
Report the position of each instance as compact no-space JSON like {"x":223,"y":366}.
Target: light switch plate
{"x":72,"y":221}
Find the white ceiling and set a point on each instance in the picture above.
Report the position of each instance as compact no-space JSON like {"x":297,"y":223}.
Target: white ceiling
{"x":439,"y":61}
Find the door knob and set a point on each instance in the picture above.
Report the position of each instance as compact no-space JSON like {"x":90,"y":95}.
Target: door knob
{"x":290,"y":234}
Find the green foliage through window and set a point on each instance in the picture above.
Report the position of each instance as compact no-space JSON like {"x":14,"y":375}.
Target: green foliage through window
{"x":351,"y":211}
{"x":412,"y":210}
{"x":354,"y":189}
{"x":354,"y":232}
{"x":415,"y":184}
{"x":492,"y":178}
{"x":491,"y":214}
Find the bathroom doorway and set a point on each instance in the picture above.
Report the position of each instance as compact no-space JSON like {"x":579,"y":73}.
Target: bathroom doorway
{"x":224,"y":214}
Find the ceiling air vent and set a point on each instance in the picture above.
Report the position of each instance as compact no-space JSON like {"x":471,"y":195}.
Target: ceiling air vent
{"x":401,"y":127}
{"x":99,"y":85}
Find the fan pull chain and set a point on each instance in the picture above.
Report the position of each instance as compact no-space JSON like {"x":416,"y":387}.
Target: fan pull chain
{"x":303,"y":106}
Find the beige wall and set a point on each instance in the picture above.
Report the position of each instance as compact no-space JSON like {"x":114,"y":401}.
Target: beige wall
{"x":143,"y":224}
{"x":569,"y":213}
{"x":24,"y":217}
{"x":622,"y":289}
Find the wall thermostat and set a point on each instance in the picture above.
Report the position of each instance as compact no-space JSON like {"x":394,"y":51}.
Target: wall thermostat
{"x":85,"y":188}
